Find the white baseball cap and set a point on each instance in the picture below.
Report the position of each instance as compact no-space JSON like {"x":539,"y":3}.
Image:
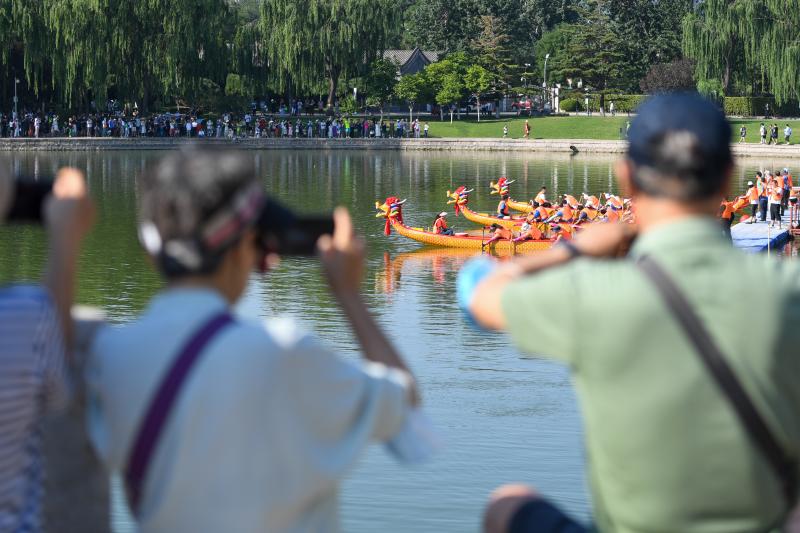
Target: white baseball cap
{"x":749,"y":183}
{"x":443,"y":214}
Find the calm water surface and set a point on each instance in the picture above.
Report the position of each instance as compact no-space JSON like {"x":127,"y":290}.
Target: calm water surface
{"x":503,"y":417}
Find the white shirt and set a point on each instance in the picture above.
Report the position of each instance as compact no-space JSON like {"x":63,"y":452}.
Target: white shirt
{"x":264,"y":428}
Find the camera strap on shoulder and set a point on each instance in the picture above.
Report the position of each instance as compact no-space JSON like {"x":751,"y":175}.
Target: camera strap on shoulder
{"x":157,"y":414}
{"x":782,"y":464}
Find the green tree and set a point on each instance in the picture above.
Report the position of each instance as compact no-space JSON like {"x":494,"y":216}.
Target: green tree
{"x":450,"y":92}
{"x":444,"y":25}
{"x":712,"y":37}
{"x":478,"y":80}
{"x":411,"y":89}
{"x":594,"y":52}
{"x":492,"y":51}
{"x":379,"y":82}
{"x":446,"y":79}
{"x":309,"y":40}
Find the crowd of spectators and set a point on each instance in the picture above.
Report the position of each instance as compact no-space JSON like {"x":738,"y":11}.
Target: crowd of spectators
{"x":292,"y":121}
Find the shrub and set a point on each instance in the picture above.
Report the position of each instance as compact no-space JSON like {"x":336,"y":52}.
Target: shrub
{"x":571,"y":105}
{"x":748,"y":106}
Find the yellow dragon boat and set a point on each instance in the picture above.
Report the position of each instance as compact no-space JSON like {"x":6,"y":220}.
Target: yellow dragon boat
{"x":500,"y":187}
{"x":460,"y":199}
{"x":392,"y":211}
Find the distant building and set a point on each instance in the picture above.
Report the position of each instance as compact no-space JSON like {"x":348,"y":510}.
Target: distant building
{"x":411,"y":61}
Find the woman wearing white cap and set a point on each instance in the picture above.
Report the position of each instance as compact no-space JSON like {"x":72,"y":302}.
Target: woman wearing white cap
{"x":440,"y":225}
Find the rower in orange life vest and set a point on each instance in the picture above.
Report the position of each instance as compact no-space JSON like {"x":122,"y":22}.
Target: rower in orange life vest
{"x":540,"y":212}
{"x":502,"y":208}
{"x":560,"y":233}
{"x":498,"y":233}
{"x":610,"y":214}
{"x":529,"y":230}
{"x":440,"y":225}
{"x":565,"y":213}
{"x":587,"y":214}
{"x":541,"y":196}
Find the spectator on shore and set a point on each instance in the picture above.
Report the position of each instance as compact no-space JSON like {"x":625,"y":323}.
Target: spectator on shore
{"x":35,"y":345}
{"x":526,"y":130}
{"x":787,"y":134}
{"x":762,"y":131}
{"x":639,"y":372}
{"x":743,"y":134}
{"x":268,"y":422}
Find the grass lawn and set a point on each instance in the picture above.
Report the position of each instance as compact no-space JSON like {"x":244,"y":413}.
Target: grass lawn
{"x":578,"y":127}
{"x":541,"y":128}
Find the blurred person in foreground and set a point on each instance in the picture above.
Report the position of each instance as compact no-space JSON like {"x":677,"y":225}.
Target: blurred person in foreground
{"x":35,"y":331}
{"x":267,"y":421}
{"x":666,"y":450}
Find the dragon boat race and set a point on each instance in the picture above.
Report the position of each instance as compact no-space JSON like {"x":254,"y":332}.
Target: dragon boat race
{"x":477,"y":386}
{"x":381,"y":266}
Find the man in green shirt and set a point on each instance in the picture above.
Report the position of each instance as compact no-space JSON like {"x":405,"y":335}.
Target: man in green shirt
{"x":666,"y":450}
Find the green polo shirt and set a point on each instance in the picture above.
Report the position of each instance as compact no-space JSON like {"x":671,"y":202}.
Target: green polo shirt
{"x":665,"y":449}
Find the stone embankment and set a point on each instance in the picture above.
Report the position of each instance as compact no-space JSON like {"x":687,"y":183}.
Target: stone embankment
{"x":577,"y":146}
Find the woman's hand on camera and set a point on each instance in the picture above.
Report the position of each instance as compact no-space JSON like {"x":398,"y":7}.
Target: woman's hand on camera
{"x":342,"y":255}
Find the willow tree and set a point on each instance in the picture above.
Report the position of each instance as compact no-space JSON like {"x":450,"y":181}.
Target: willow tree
{"x":712,"y":37}
{"x":25,"y":40}
{"x":167,"y":47}
{"x":756,"y":34}
{"x":311,"y":40}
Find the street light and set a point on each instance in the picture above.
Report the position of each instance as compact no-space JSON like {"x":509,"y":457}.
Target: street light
{"x":16,"y":81}
{"x":544,"y":76}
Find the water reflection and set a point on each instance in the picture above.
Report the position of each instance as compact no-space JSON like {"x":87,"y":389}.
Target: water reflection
{"x":504,"y":417}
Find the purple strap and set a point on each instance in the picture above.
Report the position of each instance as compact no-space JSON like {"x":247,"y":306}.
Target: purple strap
{"x":159,"y":409}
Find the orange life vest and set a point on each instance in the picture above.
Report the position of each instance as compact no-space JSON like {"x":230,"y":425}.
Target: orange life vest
{"x":753,"y":194}
{"x":762,"y":189}
{"x":503,"y":233}
{"x":502,"y":208}
{"x":612,"y":215}
{"x":566,"y":213}
{"x":777,"y":192}
{"x":440,"y":225}
{"x":739,"y":203}
{"x":728,"y":210}
{"x":540,"y":198}
{"x":571,"y":201}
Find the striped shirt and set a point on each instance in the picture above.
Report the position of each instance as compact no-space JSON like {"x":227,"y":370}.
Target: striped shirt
{"x":32,"y":383}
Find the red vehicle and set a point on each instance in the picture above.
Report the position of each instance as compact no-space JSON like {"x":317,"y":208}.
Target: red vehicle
{"x":523,"y":105}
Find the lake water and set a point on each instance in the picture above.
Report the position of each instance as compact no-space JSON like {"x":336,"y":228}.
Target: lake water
{"x":503,"y":417}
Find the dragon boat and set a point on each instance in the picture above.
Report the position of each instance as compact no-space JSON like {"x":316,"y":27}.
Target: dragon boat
{"x":460,"y":198}
{"x":392,"y":211}
{"x":500,"y":187}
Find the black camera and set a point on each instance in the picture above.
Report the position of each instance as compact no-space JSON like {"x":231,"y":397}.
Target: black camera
{"x":26,"y":200}
{"x":282,"y":232}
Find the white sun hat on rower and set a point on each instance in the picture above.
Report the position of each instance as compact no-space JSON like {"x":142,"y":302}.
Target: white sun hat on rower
{"x":443,"y":214}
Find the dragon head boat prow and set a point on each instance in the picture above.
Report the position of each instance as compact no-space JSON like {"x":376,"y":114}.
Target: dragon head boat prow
{"x":392,"y":210}
{"x":459,"y":197}
{"x":501,"y":187}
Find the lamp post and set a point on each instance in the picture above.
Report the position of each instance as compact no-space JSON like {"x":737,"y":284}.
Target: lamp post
{"x":16,"y":81}
{"x":544,"y":76}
